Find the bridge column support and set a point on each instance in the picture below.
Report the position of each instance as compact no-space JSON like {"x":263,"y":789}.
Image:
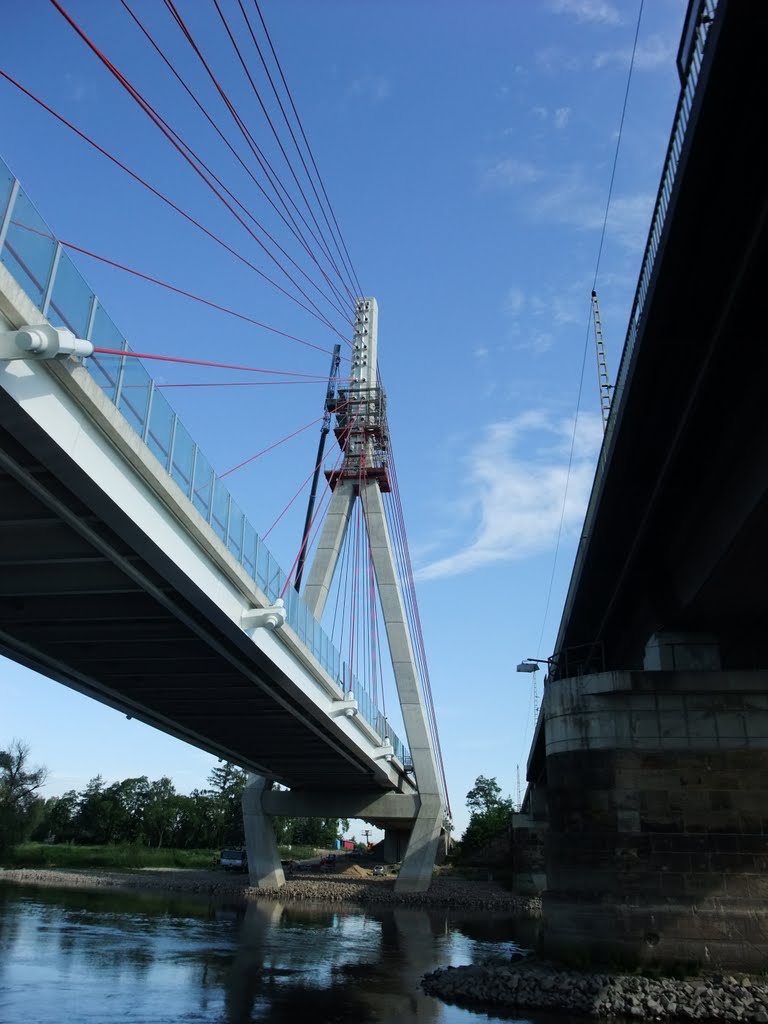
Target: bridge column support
{"x":420,"y":853}
{"x":657,"y":786}
{"x":264,"y":867}
{"x":393,"y":845}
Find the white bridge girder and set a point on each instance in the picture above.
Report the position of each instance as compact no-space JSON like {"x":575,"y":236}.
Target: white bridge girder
{"x":178,"y":561}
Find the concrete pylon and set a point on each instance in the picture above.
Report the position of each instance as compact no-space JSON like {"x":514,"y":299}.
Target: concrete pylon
{"x":264,"y":867}
{"x":329,"y":546}
{"x":419,"y":859}
{"x":362,"y":431}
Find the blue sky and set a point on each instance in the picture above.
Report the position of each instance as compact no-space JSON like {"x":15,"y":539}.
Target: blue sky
{"x":467,"y":150}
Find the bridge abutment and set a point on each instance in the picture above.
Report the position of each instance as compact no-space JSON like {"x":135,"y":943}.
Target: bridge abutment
{"x":657,"y":789}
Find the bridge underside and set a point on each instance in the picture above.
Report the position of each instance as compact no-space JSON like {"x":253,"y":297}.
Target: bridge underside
{"x":680,"y":541}
{"x":88,"y":599}
{"x":649,"y":768}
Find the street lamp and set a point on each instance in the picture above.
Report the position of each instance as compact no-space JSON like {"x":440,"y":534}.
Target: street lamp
{"x":532,"y":665}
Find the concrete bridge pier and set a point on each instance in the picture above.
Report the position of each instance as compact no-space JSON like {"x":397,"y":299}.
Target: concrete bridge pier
{"x":657,"y":792}
{"x":264,"y":866}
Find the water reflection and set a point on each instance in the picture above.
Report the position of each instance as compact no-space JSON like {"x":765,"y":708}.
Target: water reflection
{"x":103,"y":956}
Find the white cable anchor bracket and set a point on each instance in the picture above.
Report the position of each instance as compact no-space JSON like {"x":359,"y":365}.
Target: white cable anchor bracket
{"x":272,"y":617}
{"x":385,"y":752}
{"x":42,"y":341}
{"x":347,"y":707}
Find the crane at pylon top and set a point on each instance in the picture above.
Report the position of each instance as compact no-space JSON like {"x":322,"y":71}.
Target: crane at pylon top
{"x":603,"y":382}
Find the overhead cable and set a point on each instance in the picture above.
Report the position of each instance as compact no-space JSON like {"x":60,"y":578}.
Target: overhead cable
{"x":257,"y":94}
{"x":306,"y":142}
{"x":137,"y":177}
{"x":193,"y":160}
{"x":258,"y":153}
{"x":290,"y":225}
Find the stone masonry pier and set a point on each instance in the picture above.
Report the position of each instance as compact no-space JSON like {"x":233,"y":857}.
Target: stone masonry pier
{"x":657,"y":795}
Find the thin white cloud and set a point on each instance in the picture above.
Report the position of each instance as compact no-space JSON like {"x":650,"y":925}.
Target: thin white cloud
{"x":570,"y":199}
{"x":537,"y":342}
{"x":561,"y":117}
{"x":574,"y":203}
{"x":554,"y":59}
{"x":372,"y":87}
{"x":535,"y":315}
{"x":652,"y":53}
{"x":510,"y":173}
{"x":517,"y":478}
{"x":599,"y":11}
{"x":514,"y":301}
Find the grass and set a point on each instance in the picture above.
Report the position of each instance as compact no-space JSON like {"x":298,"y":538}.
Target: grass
{"x":123,"y":857}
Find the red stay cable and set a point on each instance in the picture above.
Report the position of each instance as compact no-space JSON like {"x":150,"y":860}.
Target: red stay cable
{"x":164,"y":284}
{"x":257,"y":152}
{"x":306,"y":540}
{"x":306,"y":142}
{"x":205,"y":362}
{"x":295,"y":496}
{"x":264,"y":451}
{"x":293,"y":137}
{"x":271,"y":447}
{"x":231,"y":148}
{"x":136,"y":177}
{"x":191,"y":295}
{"x":244,"y":66}
{"x":193,"y":159}
{"x":229,"y":384}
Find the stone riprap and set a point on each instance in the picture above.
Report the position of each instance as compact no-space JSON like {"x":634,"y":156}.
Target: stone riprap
{"x":542,"y":987}
{"x":444,"y":892}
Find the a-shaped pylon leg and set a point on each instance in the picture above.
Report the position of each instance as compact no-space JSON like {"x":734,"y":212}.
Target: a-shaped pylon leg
{"x":419,"y":859}
{"x":264,"y":867}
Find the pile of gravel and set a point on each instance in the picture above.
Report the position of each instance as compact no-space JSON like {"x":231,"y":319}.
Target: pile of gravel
{"x":443,"y":892}
{"x":543,"y":987}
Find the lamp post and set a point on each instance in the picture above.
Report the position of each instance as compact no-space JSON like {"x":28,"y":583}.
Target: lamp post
{"x":532,"y":665}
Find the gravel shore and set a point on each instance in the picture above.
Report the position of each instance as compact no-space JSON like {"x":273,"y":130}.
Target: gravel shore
{"x":540,"y":986}
{"x":444,"y":892}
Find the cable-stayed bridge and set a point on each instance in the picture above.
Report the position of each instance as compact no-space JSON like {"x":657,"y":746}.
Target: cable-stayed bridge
{"x":129,"y":571}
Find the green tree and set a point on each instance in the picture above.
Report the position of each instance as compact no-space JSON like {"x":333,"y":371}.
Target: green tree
{"x":227,"y":783}
{"x":161,"y":812}
{"x":57,"y":823}
{"x":484,"y":796}
{"x":20,"y":807}
{"x":320,"y":832}
{"x":95,"y":817}
{"x":490,"y":818}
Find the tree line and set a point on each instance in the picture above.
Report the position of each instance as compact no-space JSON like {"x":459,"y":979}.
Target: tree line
{"x":137,"y":811}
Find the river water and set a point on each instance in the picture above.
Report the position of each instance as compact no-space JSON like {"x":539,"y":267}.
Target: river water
{"x":106,"y":956}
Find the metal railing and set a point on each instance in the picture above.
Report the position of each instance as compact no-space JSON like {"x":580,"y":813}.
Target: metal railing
{"x":46,"y":273}
{"x":700,"y":15}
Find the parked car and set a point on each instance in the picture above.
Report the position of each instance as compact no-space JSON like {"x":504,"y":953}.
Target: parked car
{"x":378,"y":869}
{"x":234,"y":860}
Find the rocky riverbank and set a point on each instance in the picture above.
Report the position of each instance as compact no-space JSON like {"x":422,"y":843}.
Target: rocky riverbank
{"x":348,"y":888}
{"x":533,"y":985}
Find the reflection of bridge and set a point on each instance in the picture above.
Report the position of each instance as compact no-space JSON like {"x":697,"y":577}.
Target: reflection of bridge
{"x":130,"y":574}
{"x":650,"y":761}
